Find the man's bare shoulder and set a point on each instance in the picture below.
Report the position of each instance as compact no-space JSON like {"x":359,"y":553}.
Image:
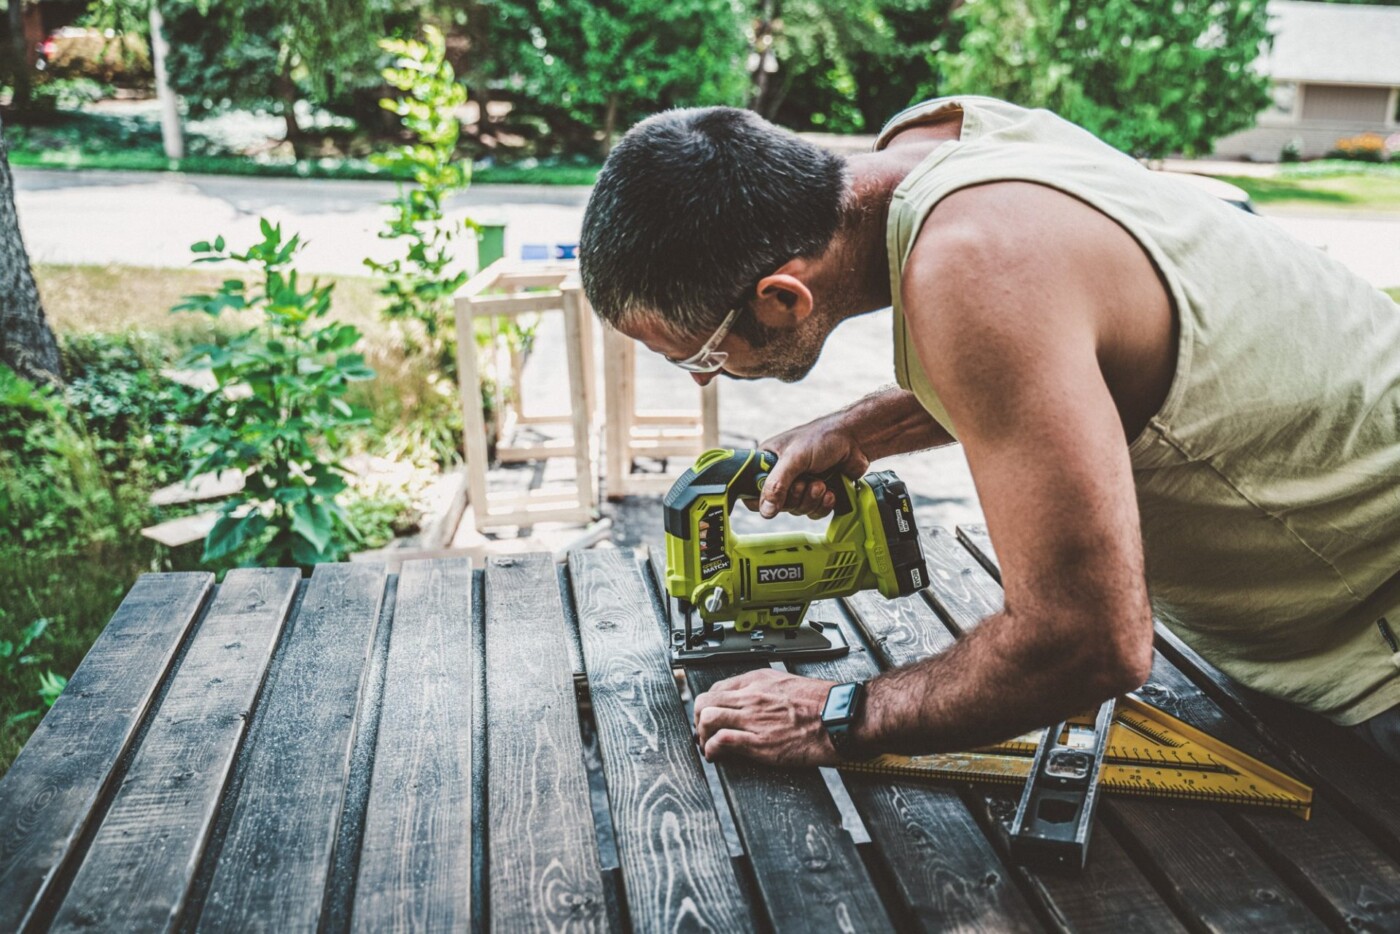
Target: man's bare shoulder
{"x":1001,"y":271}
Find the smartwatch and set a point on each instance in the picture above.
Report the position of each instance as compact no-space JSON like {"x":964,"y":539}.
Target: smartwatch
{"x":840,"y":713}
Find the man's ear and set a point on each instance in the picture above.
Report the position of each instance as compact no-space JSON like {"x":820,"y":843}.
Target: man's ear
{"x":783,"y":298}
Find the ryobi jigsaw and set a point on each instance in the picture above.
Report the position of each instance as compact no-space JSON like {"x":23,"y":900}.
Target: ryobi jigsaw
{"x":764,"y":583}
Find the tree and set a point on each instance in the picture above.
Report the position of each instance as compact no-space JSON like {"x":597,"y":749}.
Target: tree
{"x":1149,"y":78}
{"x":27,"y":344}
{"x":591,"y":68}
{"x":272,"y":53}
{"x":842,"y":67}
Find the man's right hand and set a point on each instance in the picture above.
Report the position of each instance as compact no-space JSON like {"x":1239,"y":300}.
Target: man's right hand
{"x":805,"y":453}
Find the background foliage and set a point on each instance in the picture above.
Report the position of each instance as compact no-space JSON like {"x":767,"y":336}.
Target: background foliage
{"x":1150,"y":78}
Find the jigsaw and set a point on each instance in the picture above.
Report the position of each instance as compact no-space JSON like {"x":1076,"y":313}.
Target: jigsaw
{"x":752,"y":591}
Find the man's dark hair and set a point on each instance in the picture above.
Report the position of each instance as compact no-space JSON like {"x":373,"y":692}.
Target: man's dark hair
{"x":694,"y":207}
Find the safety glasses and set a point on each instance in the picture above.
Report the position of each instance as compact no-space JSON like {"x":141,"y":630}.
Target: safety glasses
{"x":707,"y":359}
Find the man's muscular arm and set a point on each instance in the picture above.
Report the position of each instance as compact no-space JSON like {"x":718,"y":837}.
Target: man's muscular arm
{"x":1011,"y":332}
{"x":884,"y":423}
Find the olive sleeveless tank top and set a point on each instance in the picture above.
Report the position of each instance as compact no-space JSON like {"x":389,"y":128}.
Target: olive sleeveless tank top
{"x":1269,"y":482}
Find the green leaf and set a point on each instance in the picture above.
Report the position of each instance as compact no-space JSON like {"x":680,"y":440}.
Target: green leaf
{"x":230,"y":532}
{"x":312,"y":521}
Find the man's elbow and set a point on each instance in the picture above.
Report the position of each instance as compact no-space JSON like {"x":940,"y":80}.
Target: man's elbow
{"x":1126,"y":663}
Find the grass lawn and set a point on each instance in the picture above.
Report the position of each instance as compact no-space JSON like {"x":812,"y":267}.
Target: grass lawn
{"x":131,"y":298}
{"x":1349,"y":186}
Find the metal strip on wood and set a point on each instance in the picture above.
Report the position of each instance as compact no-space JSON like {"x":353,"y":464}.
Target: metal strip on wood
{"x":1327,"y":859}
{"x":1207,"y":872}
{"x":808,"y":870}
{"x":677,"y":869}
{"x":415,"y":855}
{"x":1111,"y":894}
{"x":942,"y":865}
{"x":275,"y":859}
{"x":543,"y":858}
{"x":148,"y":846}
{"x":51,"y":789}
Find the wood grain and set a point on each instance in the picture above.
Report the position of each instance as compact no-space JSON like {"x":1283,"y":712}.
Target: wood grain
{"x":415,"y":855}
{"x":543,"y":861}
{"x":945,"y":870}
{"x":272,"y":870}
{"x":674,"y":861}
{"x":907,"y":630}
{"x":143,"y":857}
{"x":51,"y":789}
{"x":1328,"y":859}
{"x":808,"y":871}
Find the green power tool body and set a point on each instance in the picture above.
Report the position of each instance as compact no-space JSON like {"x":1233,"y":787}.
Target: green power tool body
{"x":763,"y":584}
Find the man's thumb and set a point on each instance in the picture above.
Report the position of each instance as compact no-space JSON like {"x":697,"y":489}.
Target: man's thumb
{"x":774,"y":492}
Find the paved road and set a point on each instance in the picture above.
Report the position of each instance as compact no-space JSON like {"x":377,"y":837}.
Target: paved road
{"x":148,"y":219}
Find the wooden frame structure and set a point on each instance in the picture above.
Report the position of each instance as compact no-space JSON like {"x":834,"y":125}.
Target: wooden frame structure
{"x":498,"y":292}
{"x":659,"y":434}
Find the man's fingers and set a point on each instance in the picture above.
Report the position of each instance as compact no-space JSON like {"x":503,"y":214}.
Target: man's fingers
{"x":728,"y":742}
{"x":712,"y":719}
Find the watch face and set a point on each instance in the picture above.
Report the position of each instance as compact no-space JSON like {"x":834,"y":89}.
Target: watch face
{"x":838,"y":702}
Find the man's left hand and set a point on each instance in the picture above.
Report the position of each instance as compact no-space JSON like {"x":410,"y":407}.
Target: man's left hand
{"x":766,"y":715}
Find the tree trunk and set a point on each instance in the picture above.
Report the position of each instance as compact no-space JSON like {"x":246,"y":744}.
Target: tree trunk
{"x":609,"y":125}
{"x":27,"y":344}
{"x":170,"y":132}
{"x":287,"y":92}
{"x":19,"y":52}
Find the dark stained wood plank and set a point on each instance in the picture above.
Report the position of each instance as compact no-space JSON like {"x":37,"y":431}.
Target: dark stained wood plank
{"x":273,"y":867}
{"x":1360,"y":780}
{"x":51,"y":789}
{"x":944,"y":868}
{"x":1342,"y":874}
{"x":544,"y":873}
{"x":416,"y":849}
{"x":675,"y":864}
{"x":476,"y":671}
{"x":143,"y":857}
{"x":807,"y":868}
{"x":1111,"y":894}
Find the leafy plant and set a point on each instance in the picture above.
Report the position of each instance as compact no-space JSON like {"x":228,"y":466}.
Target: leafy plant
{"x":54,"y":495}
{"x":16,"y":652}
{"x":420,"y":285}
{"x":277,"y":413}
{"x":136,"y":417}
{"x":17,"y":657}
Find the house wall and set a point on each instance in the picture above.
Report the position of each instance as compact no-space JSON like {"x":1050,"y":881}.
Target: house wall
{"x":1316,"y":116}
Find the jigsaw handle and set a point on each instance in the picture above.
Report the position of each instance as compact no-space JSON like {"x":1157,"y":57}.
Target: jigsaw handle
{"x":838,"y":483}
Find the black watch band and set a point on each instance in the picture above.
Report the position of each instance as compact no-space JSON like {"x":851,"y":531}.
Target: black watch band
{"x":841,"y":712}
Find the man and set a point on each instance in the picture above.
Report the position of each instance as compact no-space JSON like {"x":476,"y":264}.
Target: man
{"x":1153,"y":389}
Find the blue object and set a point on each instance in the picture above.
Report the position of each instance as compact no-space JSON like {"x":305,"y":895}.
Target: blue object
{"x":566,"y":251}
{"x":534,"y":252}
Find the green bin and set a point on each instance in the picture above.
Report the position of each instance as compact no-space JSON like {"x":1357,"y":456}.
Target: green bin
{"x":490,"y":244}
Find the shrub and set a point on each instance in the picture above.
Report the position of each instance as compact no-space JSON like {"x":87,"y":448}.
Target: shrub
{"x":136,"y":417}
{"x":278,"y":412}
{"x":1364,"y":147}
{"x":54,"y":496}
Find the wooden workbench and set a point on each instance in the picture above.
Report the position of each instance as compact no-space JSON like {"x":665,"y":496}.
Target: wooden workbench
{"x":505,"y":747}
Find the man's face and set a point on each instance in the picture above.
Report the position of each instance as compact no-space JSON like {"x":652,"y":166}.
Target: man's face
{"x":786,"y":355}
